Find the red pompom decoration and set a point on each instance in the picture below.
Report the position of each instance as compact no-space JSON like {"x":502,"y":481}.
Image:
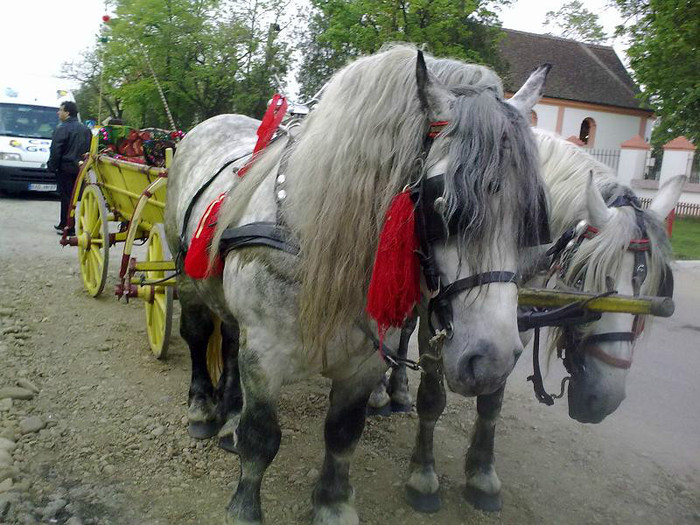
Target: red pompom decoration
{"x":105,"y":18}
{"x":197,"y":258}
{"x":395,"y":285}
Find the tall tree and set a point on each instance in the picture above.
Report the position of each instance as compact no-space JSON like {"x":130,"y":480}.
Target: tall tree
{"x":338,"y":30}
{"x":576,"y":22}
{"x":664,"y":53}
{"x":207,"y":56}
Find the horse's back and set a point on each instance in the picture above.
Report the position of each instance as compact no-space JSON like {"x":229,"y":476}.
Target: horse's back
{"x":200,"y":155}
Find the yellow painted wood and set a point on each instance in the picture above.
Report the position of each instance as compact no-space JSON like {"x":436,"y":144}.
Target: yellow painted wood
{"x":158,"y":299}
{"x":658,"y":306}
{"x":93,"y":240}
{"x":215,"y":358}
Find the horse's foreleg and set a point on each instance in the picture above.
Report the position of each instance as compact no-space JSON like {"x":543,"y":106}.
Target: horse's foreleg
{"x":483,"y":489}
{"x":230,"y":396}
{"x":333,"y":495}
{"x":422,"y":488}
{"x":257,"y":440}
{"x":379,"y":403}
{"x":398,"y":381}
{"x":195,"y":328}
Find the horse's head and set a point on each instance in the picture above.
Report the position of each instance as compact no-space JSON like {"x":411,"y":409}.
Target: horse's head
{"x":480,"y":204}
{"x":624,"y":248}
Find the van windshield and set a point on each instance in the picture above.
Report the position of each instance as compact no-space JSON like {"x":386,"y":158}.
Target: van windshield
{"x":34,"y":122}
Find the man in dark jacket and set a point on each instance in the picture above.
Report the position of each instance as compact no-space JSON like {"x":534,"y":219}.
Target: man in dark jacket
{"x":70,"y":141}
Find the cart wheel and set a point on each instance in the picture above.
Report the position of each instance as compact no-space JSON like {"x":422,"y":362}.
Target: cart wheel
{"x":215,"y":359}
{"x":159,"y":306}
{"x":92,"y":232}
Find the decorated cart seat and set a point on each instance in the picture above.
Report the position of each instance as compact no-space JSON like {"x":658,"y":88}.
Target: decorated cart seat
{"x":140,"y":146}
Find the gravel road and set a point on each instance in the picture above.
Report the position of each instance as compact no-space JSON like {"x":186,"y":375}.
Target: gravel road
{"x":92,"y":427}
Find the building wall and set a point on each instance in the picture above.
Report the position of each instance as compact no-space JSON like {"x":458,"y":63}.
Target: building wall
{"x":546,"y":116}
{"x":611,"y":129}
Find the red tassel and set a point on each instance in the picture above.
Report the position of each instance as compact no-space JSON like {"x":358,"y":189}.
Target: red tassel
{"x":395,"y":286}
{"x":197,"y":258}
{"x":270,"y":122}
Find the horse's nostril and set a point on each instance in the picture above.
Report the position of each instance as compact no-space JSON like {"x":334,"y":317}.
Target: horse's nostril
{"x":592,"y":401}
{"x":469,"y":366}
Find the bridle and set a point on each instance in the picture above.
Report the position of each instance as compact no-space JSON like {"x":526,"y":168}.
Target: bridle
{"x":431,"y":228}
{"x":574,"y":344}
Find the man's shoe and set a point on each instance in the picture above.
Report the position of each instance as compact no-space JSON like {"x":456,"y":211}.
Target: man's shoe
{"x":59,"y":228}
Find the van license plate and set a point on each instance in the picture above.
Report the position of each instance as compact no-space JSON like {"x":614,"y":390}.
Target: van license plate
{"x":42,"y":187}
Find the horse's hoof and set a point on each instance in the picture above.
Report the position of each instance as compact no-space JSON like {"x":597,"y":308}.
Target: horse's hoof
{"x":420,"y":502}
{"x":227,"y":443}
{"x":203,"y":429}
{"x":481,"y":500}
{"x":383,"y":411}
{"x":401,"y":407}
{"x":337,"y":514}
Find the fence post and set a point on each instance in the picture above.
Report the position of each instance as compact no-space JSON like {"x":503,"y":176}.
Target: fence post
{"x":677,"y":153}
{"x":669,"y":222}
{"x":633,"y":156}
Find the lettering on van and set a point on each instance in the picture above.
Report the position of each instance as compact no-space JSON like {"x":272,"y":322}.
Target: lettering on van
{"x":32,"y":145}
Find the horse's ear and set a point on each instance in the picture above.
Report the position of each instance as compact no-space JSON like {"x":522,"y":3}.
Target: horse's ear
{"x":531,"y":91}
{"x":668,"y":195}
{"x":422,"y":80}
{"x":598,"y":212}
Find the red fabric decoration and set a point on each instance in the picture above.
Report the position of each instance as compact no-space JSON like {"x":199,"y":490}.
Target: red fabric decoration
{"x":270,"y":122}
{"x":395,"y":285}
{"x":197,"y":258}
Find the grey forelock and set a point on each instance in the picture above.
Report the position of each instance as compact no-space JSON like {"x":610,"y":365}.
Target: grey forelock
{"x":492,"y":182}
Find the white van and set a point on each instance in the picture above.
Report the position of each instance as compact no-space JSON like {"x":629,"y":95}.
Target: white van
{"x":28,"y":117}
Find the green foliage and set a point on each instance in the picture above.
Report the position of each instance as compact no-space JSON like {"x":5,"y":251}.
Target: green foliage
{"x":576,"y":22}
{"x":209,"y":57}
{"x":685,"y":239}
{"x":664,"y":53}
{"x":339,"y":30}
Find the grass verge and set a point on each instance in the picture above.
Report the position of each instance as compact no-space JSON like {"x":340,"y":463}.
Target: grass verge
{"x":685,"y":239}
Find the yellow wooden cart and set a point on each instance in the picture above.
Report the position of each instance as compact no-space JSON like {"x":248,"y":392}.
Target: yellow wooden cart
{"x":110,"y":190}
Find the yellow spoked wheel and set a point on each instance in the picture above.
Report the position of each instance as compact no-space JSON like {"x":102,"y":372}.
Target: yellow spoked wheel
{"x":92,"y":231}
{"x":159,"y":299}
{"x":215,"y":359}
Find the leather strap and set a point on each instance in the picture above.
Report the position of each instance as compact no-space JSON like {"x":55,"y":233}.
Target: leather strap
{"x":475,"y":280}
{"x":617,"y":362}
{"x":266,"y":234}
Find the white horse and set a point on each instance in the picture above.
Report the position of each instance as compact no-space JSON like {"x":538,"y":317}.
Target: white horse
{"x":619,"y":246}
{"x":322,"y":197}
{"x":625,"y":248}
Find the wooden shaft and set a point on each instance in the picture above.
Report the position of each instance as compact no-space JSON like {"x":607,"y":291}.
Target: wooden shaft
{"x":639,"y":305}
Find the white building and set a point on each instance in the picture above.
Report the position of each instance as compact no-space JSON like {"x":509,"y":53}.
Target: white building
{"x":590,"y":99}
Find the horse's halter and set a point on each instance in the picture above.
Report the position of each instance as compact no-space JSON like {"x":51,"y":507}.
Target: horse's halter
{"x":562,"y":255}
{"x":430,"y":204}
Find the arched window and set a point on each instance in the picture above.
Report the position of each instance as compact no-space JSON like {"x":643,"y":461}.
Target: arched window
{"x":533,"y":118}
{"x":587,"y":133}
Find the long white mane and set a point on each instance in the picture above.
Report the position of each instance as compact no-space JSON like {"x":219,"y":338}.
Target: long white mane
{"x":360,"y":147}
{"x":566,"y":169}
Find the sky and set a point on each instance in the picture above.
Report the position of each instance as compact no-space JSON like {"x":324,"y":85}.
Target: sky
{"x":38,"y":36}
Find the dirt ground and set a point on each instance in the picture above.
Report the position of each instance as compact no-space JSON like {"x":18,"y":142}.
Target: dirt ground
{"x":103,"y":439}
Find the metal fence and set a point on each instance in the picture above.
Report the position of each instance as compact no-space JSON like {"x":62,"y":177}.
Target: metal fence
{"x":682,"y":209}
{"x":609,"y":157}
